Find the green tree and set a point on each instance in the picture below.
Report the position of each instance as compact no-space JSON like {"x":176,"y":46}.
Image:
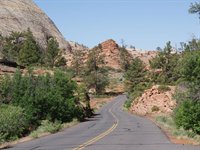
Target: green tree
{"x":125,"y":58}
{"x":136,"y":80}
{"x":187,"y":113}
{"x":135,"y":76}
{"x":11,"y":45}
{"x":166,"y":60}
{"x":192,"y":45}
{"x":195,"y":8}
{"x":77,"y":62}
{"x":29,"y":53}
{"x":96,"y":75}
{"x":52,"y":52}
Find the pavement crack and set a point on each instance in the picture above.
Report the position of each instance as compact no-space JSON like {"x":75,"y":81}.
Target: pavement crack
{"x":36,"y":147}
{"x":92,"y":125}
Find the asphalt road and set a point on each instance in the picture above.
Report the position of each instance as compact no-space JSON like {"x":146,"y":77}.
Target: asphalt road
{"x":111,"y":129}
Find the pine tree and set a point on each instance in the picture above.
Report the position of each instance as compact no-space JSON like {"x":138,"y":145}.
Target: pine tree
{"x":29,"y":53}
{"x":52,"y":52}
{"x":77,"y":62}
{"x":125,"y":58}
{"x":135,"y":76}
{"x":166,"y":60}
{"x":95,"y":73}
{"x":195,"y":8}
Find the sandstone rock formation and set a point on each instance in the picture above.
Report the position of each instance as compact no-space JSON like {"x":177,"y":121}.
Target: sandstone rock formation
{"x":111,"y":51}
{"x":145,"y":56}
{"x":76,"y":48}
{"x":112,"y":54}
{"x":19,"y":15}
{"x":154,"y":98}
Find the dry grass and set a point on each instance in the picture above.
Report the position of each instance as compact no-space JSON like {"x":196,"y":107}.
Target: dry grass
{"x":179,"y":136}
{"x":44,"y":130}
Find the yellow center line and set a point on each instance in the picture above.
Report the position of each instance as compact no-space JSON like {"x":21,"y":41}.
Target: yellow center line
{"x":100,"y":136}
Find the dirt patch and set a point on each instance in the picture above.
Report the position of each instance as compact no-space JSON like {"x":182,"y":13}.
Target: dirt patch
{"x":97,"y":103}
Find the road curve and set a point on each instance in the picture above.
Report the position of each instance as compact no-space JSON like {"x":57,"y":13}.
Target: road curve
{"x":111,"y":129}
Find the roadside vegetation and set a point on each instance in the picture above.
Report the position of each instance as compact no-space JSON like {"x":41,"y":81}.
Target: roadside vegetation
{"x":170,"y":67}
{"x":36,"y":98}
{"x":33,"y":104}
{"x":36,"y":103}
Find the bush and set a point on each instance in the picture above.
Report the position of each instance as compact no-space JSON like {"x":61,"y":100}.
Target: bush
{"x":187,"y":115}
{"x":163,"y":88}
{"x":43,"y":97}
{"x":47,"y":126}
{"x":12,"y":122}
{"x":128,"y":103}
{"x":155,"y":108}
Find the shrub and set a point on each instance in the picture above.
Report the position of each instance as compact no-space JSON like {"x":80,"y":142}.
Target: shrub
{"x":43,"y":97}
{"x":155,"y":108}
{"x":187,"y":115}
{"x":47,"y":126}
{"x":12,"y":122}
{"x":128,"y":103}
{"x":163,"y":88}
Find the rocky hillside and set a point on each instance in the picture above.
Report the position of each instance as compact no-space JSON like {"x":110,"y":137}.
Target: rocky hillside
{"x":154,"y":101}
{"x":145,"y":56}
{"x":19,"y":15}
{"x":111,"y":51}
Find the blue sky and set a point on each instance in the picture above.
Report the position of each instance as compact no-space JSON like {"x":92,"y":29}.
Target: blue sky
{"x":146,"y":24}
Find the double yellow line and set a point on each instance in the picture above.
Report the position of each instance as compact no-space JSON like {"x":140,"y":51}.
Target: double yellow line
{"x":95,"y":139}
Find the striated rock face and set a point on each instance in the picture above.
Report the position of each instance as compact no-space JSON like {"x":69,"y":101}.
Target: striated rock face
{"x":19,"y":15}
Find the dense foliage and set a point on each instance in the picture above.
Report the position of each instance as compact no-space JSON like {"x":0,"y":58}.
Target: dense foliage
{"x":29,"y":52}
{"x":167,"y":61}
{"x":46,"y":97}
{"x":13,"y":122}
{"x":187,"y":114}
{"x":136,"y":79}
{"x":21,"y":47}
